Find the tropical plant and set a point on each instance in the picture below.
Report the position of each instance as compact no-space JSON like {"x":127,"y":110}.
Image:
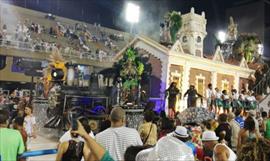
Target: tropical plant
{"x":246,"y":46}
{"x":175,"y":21}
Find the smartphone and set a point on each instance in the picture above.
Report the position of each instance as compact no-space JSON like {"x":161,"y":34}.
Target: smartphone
{"x":74,"y":123}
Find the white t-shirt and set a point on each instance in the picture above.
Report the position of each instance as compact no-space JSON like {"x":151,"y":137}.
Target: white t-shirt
{"x":67,"y":137}
{"x":117,"y":140}
{"x":29,"y":122}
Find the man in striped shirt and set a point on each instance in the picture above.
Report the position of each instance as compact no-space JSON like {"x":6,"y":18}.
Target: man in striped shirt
{"x":118,"y":138}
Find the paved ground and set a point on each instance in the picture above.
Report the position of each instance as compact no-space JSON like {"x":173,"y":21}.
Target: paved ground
{"x":41,"y":143}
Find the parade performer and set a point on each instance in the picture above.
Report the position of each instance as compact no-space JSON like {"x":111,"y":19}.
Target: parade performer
{"x":192,"y":95}
{"x":226,"y":101}
{"x":210,"y":97}
{"x":172,"y":92}
{"x":218,"y":100}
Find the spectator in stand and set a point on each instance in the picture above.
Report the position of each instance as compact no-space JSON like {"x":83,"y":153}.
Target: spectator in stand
{"x":11,"y":142}
{"x":118,"y":138}
{"x":148,"y":130}
{"x":224,"y":126}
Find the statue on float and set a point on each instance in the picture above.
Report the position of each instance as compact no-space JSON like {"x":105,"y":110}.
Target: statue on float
{"x":131,"y":70}
{"x":232,"y":31}
{"x":57,"y":64}
{"x":170,"y":27}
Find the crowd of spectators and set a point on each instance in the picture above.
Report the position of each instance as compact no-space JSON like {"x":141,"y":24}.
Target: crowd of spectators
{"x":79,"y":40}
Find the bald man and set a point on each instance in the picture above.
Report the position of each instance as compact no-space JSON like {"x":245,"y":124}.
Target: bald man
{"x":118,"y":138}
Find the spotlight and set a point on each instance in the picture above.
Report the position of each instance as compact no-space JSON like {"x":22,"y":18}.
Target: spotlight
{"x":132,"y":13}
{"x":57,"y":74}
{"x":221,"y":36}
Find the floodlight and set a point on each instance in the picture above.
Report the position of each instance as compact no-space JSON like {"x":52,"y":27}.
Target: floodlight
{"x":57,"y":74}
{"x":132,"y":13}
{"x":221,"y":36}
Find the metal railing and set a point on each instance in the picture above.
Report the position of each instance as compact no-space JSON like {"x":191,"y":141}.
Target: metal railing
{"x":261,"y":87}
{"x":70,"y":53}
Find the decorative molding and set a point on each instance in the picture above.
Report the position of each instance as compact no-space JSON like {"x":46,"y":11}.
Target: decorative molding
{"x":198,"y":77}
{"x":177,"y":75}
{"x":223,"y":82}
{"x":218,"y":56}
{"x":243,"y":63}
{"x":177,"y":47}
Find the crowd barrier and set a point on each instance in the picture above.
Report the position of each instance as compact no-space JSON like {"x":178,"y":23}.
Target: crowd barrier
{"x":37,"y":153}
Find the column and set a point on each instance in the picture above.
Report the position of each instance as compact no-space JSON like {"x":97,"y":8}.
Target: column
{"x":214,"y":79}
{"x":236,"y":81}
{"x":185,"y":84}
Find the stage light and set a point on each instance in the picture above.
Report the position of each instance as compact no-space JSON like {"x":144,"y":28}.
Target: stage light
{"x":57,"y":74}
{"x":132,"y":13}
{"x":221,"y":36}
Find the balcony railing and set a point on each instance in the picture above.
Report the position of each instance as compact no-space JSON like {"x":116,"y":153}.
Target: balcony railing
{"x":68,"y":52}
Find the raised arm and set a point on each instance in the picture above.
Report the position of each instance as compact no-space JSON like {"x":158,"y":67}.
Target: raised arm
{"x":97,"y":150}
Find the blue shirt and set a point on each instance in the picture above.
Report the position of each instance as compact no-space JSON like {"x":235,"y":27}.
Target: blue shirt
{"x":192,"y":146}
{"x":240,"y":121}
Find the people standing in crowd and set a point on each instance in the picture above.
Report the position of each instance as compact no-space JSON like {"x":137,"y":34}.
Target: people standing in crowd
{"x":11,"y":142}
{"x":218,"y":100}
{"x":181,"y":133}
{"x":97,"y":151}
{"x":252,"y":113}
{"x":224,"y":128}
{"x":67,"y":135}
{"x":215,"y":150}
{"x":30,"y":123}
{"x":165,"y":125}
{"x":235,"y":130}
{"x":210,"y":96}
{"x":172,"y":92}
{"x":267,"y":127}
{"x":73,"y":149}
{"x":248,"y":133}
{"x":148,"y":130}
{"x":18,"y":125}
{"x":238,"y":118}
{"x":118,"y":138}
{"x":192,"y":95}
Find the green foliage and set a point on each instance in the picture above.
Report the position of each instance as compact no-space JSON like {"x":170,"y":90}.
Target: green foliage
{"x":175,"y":20}
{"x":246,"y":46}
{"x":130,"y":68}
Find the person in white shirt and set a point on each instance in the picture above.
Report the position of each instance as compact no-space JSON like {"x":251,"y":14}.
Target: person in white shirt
{"x":210,"y":97}
{"x":219,"y":151}
{"x":118,"y":138}
{"x":67,"y":135}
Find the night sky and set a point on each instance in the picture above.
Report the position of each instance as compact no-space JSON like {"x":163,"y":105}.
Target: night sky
{"x":110,"y":13}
